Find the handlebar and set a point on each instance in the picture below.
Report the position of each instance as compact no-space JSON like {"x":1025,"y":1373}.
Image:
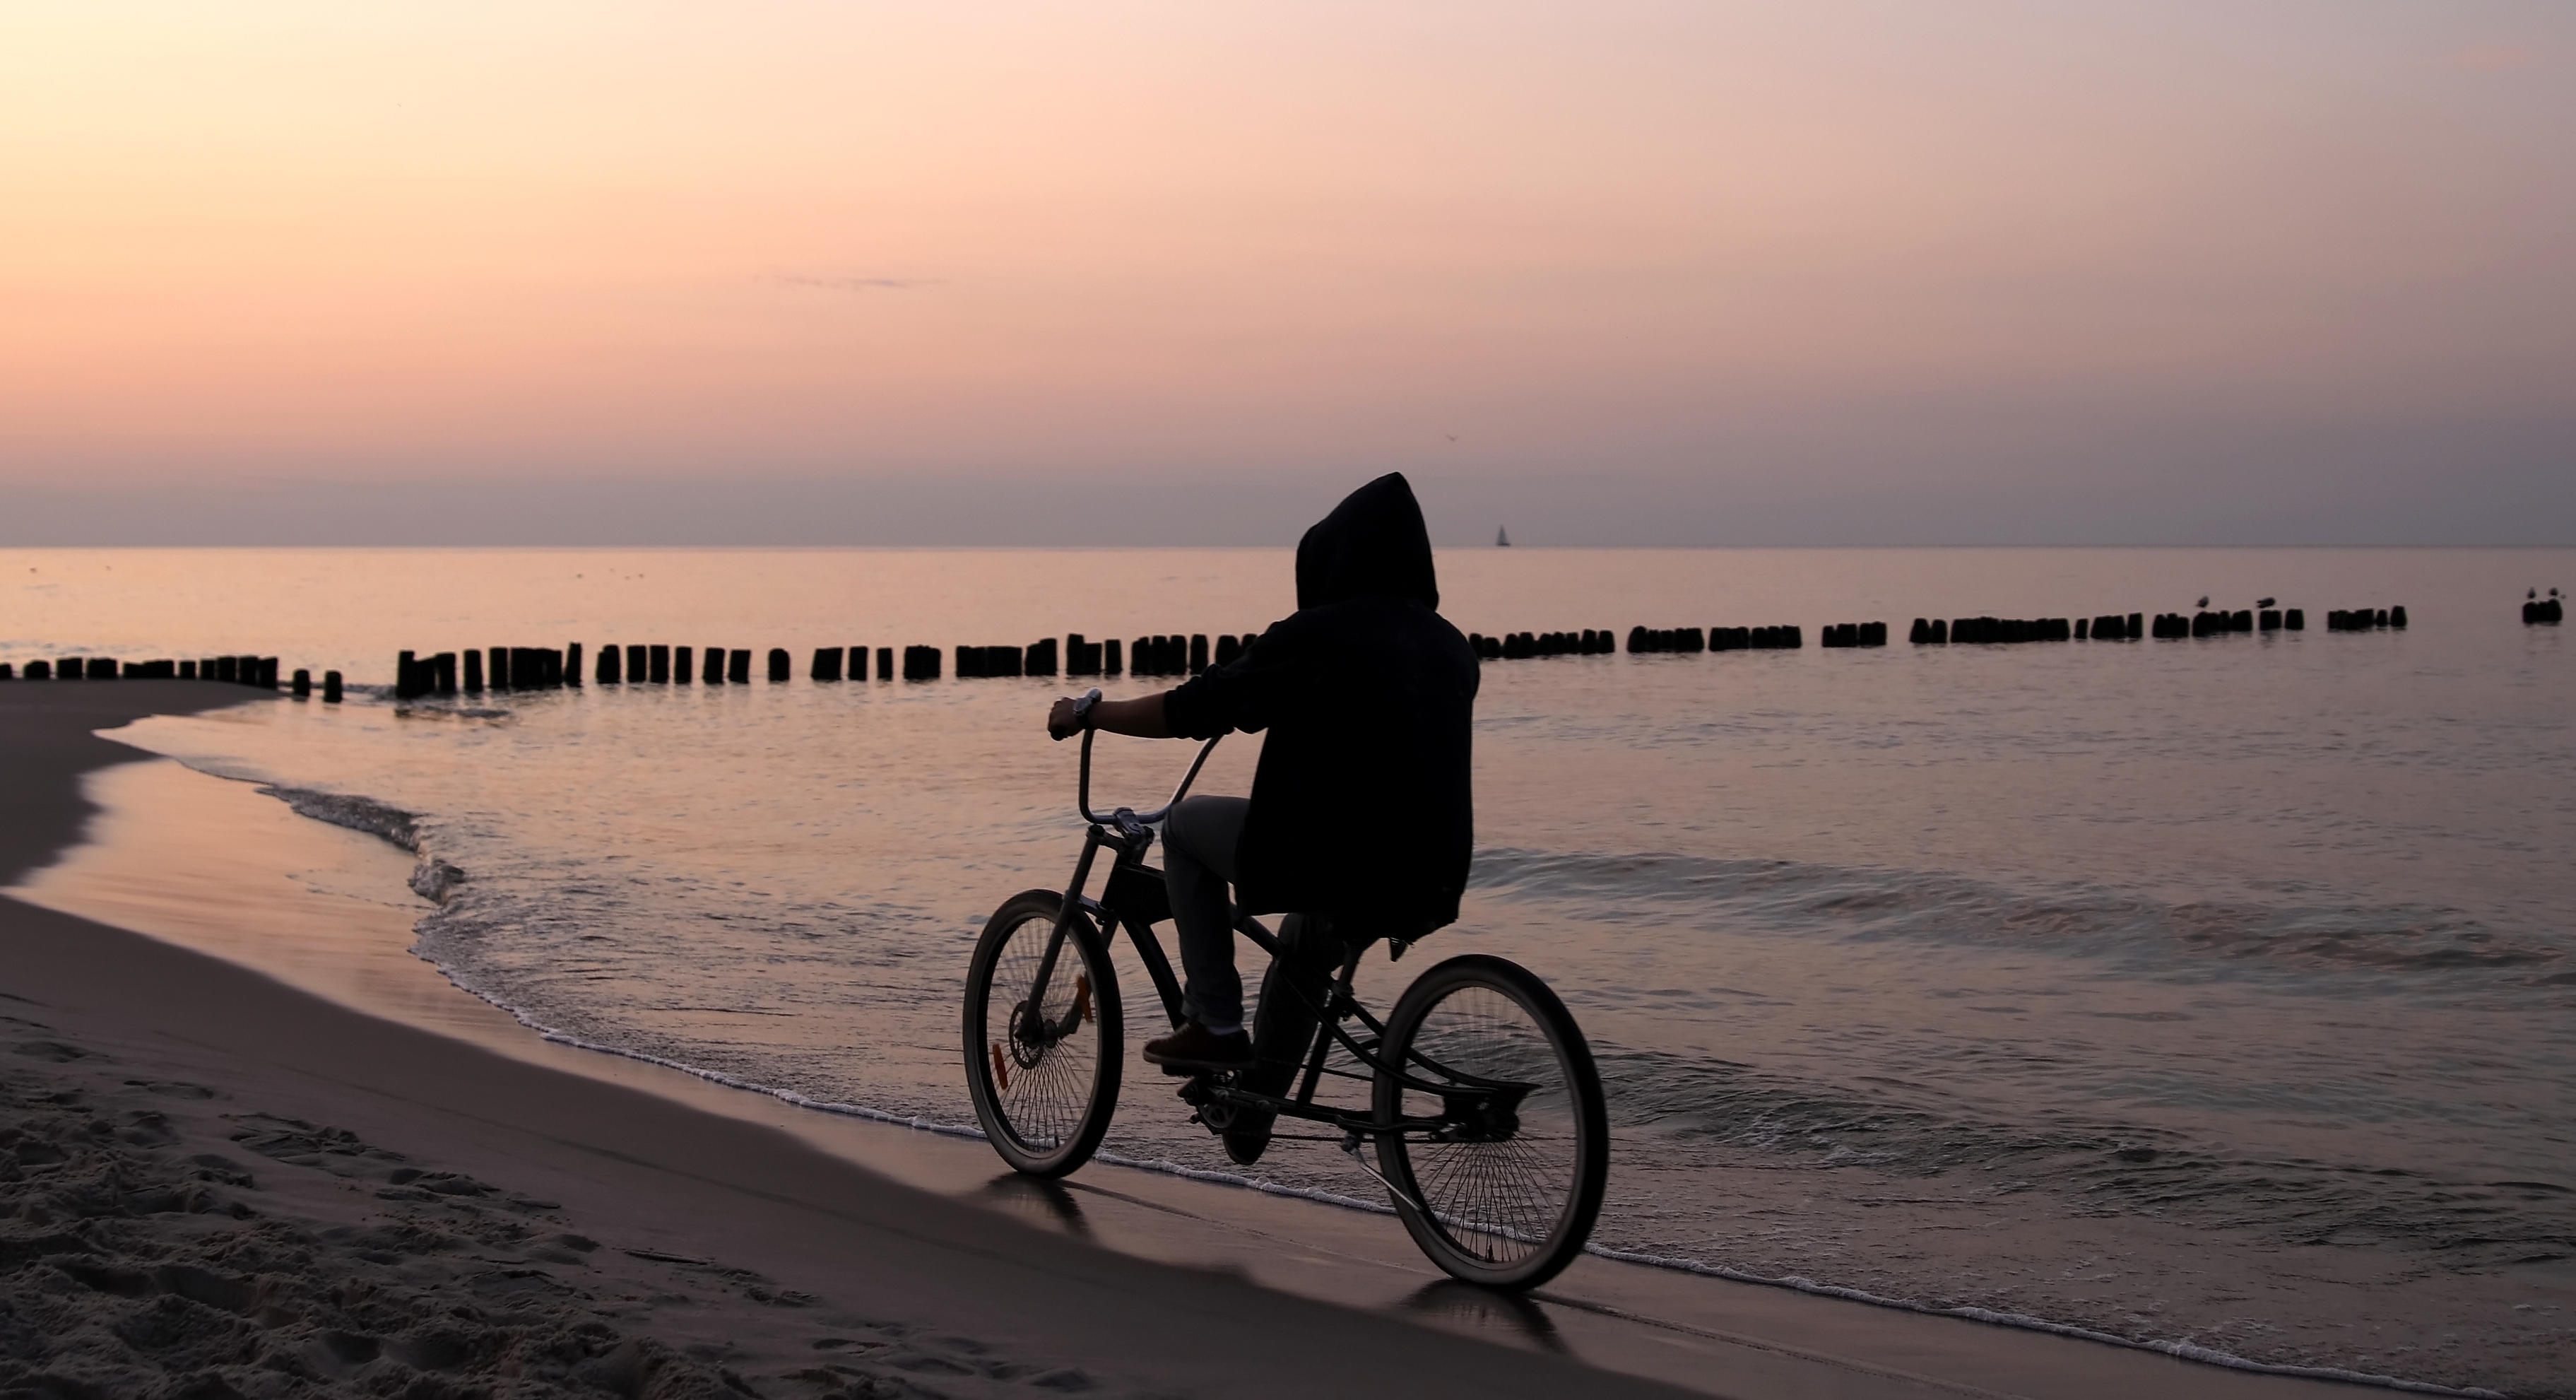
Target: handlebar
{"x":1083,"y":799}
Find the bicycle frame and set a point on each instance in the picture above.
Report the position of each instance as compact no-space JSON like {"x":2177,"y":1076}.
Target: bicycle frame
{"x":1132,"y":884}
{"x":1134,"y":898}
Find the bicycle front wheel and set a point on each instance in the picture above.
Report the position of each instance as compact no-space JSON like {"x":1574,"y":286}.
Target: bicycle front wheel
{"x":1504,"y":1192}
{"x":1043,"y":1069}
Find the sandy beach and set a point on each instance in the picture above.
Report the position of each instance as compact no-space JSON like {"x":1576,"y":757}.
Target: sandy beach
{"x":224,"y":1184}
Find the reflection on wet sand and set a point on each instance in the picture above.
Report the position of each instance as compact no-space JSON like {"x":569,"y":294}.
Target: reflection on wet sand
{"x":222,"y":868}
{"x":1516,"y":1314}
{"x":1043,"y":1197}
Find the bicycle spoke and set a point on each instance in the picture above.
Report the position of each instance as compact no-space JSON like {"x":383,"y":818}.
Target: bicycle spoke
{"x":1497,"y":1201}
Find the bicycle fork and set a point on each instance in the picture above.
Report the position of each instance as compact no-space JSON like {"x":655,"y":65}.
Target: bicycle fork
{"x":1033,"y":1026}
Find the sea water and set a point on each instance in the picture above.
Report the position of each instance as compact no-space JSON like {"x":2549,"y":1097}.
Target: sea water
{"x":2210,"y":991}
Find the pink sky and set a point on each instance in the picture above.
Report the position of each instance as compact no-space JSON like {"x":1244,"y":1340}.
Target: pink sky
{"x":1868,"y":249}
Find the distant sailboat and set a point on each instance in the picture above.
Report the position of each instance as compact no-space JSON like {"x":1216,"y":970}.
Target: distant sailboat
{"x":1502,"y":538}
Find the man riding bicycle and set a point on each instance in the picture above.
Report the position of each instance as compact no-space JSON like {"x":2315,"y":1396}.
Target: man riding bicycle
{"x":1484,"y":1118}
{"x":1360,"y":817}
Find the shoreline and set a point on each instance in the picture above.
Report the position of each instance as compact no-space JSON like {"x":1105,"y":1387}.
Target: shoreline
{"x":1829,"y":1338}
{"x":965,"y":1299}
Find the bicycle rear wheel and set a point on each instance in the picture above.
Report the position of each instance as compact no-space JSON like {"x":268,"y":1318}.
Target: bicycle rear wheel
{"x":1044,"y":1081}
{"x":1504,"y":1194}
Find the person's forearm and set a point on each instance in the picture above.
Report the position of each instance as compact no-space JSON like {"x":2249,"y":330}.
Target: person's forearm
{"x":1140,"y":718}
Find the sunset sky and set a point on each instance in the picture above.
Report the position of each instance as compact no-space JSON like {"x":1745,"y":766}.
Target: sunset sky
{"x":1686,"y":273}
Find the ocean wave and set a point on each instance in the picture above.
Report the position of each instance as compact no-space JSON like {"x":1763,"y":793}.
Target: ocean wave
{"x":2100,"y":1166}
{"x":435,"y":880}
{"x":356,"y":813}
{"x":1897,"y":904}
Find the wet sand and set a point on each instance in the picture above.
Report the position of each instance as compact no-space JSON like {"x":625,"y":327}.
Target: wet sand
{"x":462,"y":1171}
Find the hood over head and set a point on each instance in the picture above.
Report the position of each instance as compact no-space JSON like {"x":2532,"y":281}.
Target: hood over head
{"x":1373,"y":544}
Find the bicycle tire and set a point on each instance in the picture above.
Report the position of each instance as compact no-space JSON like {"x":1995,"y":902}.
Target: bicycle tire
{"x":1044,"y":1106}
{"x":1509,"y":1211}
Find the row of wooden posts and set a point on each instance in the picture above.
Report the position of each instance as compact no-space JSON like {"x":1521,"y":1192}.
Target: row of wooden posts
{"x":1935,"y":631}
{"x":538,"y":668}
{"x":525,"y":668}
{"x":541,"y":668}
{"x":258,"y":672}
{"x":1785,"y":637}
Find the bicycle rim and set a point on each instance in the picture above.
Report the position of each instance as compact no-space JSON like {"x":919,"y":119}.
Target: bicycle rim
{"x":1044,"y":1087}
{"x":1505,"y":1209}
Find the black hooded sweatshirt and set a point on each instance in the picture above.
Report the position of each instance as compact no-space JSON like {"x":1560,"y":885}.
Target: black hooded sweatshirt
{"x":1361,"y":806}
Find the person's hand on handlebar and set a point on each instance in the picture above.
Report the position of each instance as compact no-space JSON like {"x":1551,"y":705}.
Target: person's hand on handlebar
{"x":1071,"y":715}
{"x":1141,"y":717}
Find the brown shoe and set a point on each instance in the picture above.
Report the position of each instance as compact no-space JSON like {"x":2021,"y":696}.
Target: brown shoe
{"x":1194,"y":1047}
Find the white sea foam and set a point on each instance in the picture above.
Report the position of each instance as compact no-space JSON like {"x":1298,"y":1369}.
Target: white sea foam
{"x":788,"y":1096}
{"x":916,"y":1122}
{"x":434,"y":879}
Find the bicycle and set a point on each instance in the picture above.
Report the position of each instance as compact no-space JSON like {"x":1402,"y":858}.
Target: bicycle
{"x":1484,"y":1108}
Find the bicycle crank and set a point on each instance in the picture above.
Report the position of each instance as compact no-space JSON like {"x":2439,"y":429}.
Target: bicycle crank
{"x":1215,"y":1111}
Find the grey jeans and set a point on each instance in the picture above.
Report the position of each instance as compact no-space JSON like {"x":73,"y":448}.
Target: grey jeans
{"x":1198,"y":863}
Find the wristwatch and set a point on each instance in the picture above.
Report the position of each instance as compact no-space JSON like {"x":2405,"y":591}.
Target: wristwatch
{"x":1082,"y":707}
